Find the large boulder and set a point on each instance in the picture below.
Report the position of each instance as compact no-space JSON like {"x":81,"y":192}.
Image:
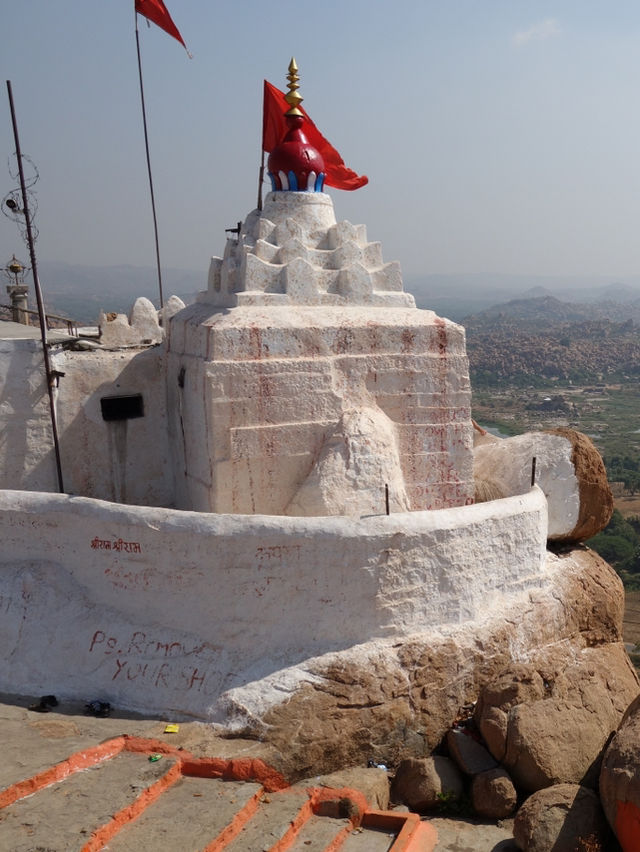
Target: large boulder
{"x":493,"y":795}
{"x":422,"y":783}
{"x":563,"y":818}
{"x":548,"y":720}
{"x":620,"y":779}
{"x":569,"y":469}
{"x":388,"y":700}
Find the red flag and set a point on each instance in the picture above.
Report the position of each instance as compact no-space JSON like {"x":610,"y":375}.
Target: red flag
{"x":156,"y":12}
{"x":274,"y":127}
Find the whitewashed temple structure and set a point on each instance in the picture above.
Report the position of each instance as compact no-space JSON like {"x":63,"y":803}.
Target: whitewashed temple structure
{"x":280,"y":472}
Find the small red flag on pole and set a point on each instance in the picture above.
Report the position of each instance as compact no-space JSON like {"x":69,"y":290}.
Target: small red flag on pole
{"x":156,"y":12}
{"x":274,"y":127}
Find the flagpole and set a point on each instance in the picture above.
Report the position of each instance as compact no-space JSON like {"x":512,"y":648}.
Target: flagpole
{"x":260,"y":181}
{"x":146,"y":147}
{"x":36,"y":282}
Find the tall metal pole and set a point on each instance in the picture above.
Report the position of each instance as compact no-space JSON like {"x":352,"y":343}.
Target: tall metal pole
{"x":260,"y":180}
{"x":146,"y":147}
{"x":36,"y":282}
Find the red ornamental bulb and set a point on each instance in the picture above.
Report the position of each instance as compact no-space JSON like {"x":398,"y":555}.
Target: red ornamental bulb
{"x":295,"y":164}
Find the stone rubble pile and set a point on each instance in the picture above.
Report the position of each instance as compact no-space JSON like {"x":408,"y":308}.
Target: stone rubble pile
{"x":555,"y":743}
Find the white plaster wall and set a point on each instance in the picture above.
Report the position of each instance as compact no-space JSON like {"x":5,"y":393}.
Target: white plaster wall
{"x":263,"y":387}
{"x":127,"y":461}
{"x":159,"y":610}
{"x":26,"y":439}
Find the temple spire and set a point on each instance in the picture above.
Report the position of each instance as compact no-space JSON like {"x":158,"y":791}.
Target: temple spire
{"x":293,"y":97}
{"x":295,"y":165}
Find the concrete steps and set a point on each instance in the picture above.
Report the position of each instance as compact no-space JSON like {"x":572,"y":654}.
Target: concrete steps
{"x":187,"y":817}
{"x":130,"y":794}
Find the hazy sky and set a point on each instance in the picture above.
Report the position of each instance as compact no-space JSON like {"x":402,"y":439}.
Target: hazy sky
{"x":498,"y":135}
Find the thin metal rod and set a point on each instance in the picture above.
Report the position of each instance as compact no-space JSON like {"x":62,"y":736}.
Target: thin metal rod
{"x":146,"y":148}
{"x":533,"y":471}
{"x":36,"y":282}
{"x":386,"y":497}
{"x":260,"y":180}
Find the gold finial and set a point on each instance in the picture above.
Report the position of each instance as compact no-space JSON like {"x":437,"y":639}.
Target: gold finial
{"x":14,"y":266}
{"x":292,"y":97}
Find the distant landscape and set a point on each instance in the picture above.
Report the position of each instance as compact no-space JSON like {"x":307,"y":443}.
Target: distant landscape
{"x":460,"y":296}
{"x":541,"y":362}
{"x":81,"y":292}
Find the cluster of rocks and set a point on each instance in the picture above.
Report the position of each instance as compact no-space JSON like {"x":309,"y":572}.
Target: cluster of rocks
{"x":538,"y":744}
{"x":554,"y":736}
{"x":507,"y":351}
{"x":539,"y":720}
{"x":514,"y":715}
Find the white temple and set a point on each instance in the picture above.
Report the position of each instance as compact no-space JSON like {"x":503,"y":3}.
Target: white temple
{"x":304,"y":379}
{"x":192,"y":566}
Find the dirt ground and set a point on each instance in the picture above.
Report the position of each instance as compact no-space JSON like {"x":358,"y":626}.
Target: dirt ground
{"x":631,"y":626}
{"x":628,"y":506}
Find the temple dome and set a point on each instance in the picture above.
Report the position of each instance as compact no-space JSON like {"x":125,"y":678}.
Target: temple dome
{"x":295,"y":164}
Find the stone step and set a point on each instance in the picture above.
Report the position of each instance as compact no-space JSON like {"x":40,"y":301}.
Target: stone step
{"x":129,"y":794}
{"x":369,"y":840}
{"x":188,"y":816}
{"x":86,"y":800}
{"x":270,"y":823}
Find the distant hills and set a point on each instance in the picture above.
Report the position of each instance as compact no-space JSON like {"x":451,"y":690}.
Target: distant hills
{"x":532,"y":341}
{"x":549,"y":312}
{"x":459,"y":296}
{"x":80,"y":292}
{"x":479,"y":301}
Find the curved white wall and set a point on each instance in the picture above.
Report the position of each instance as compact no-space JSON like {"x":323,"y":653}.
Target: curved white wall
{"x":156,"y":609}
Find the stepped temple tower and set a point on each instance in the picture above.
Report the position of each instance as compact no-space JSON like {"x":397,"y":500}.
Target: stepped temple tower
{"x":305,"y":380}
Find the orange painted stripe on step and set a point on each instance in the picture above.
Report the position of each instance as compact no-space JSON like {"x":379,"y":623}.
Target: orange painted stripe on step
{"x":291,"y":835}
{"x":628,"y":826}
{"x":235,"y":769}
{"x":338,"y":841}
{"x":233,"y":829}
{"x":324,"y":800}
{"x":105,"y":833}
{"x":413,"y":835}
{"x":423,"y":838}
{"x":146,"y":745}
{"x":58,"y":772}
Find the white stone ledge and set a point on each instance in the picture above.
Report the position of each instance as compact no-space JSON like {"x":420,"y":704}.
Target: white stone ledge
{"x":157,"y":609}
